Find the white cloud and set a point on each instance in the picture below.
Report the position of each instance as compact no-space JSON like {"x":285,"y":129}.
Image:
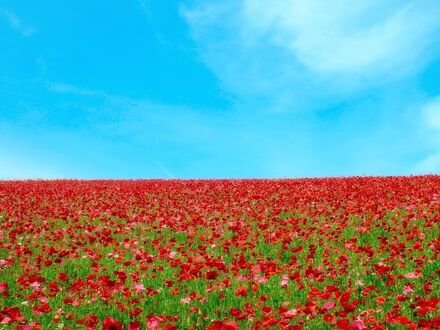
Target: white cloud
{"x":295,"y":52}
{"x":367,"y":37}
{"x":16,"y":23}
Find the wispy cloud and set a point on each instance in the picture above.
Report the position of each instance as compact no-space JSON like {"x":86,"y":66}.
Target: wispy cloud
{"x":355,"y":60}
{"x":136,"y":117}
{"x":17,"y":24}
{"x":196,"y":143}
{"x":64,"y":88}
{"x":294,"y":53}
{"x":146,"y":6}
{"x":333,"y":37}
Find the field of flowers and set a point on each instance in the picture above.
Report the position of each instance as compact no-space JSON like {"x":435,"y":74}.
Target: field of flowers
{"x":344,"y":253}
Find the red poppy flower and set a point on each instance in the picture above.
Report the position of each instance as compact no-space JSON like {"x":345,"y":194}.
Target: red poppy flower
{"x":110,"y":323}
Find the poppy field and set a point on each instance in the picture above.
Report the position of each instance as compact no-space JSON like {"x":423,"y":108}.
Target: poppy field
{"x":339,"y":253}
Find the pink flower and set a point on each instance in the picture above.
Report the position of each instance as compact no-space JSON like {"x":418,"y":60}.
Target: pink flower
{"x":359,"y":324}
{"x":290,"y":313}
{"x":139,"y":287}
{"x":328,"y":305}
{"x":25,"y":327}
{"x":185,"y":300}
{"x":284,"y":281}
{"x":412,"y":275}
{"x":3,"y":287}
{"x":407,"y":289}
{"x":256,"y":270}
{"x":153,"y":323}
{"x":35,"y":285}
{"x":261,"y":279}
{"x":361,"y":229}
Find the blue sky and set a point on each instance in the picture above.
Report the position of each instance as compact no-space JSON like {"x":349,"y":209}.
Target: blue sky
{"x":219,"y":89}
